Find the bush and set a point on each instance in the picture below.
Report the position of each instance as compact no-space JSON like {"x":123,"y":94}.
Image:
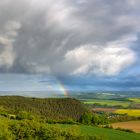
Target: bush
{"x":5,"y":134}
{"x":93,"y":119}
{"x":86,"y":118}
{"x":99,"y":120}
{"x":24,"y":115}
{"x":35,"y":130}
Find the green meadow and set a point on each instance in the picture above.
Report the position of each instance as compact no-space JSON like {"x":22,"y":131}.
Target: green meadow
{"x":107,"y":102}
{"x":106,"y":133}
{"x":135,"y":100}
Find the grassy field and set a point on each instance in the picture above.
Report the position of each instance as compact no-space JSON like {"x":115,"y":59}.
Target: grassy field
{"x":132,"y":125}
{"x":109,"y":134}
{"x":130,"y":112}
{"x":135,"y":100}
{"x":107,"y":102}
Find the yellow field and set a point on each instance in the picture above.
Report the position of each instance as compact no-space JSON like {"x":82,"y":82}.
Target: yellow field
{"x":130,"y":112}
{"x":132,"y":125}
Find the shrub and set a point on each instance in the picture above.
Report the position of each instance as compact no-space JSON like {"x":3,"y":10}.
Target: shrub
{"x":86,"y":118}
{"x":24,"y":115}
{"x":5,"y":134}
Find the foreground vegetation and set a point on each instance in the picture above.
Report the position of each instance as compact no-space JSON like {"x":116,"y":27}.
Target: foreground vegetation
{"x":35,"y":130}
{"x":54,"y":119}
{"x":38,"y":130}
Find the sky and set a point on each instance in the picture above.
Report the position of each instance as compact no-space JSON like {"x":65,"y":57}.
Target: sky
{"x":80,"y":44}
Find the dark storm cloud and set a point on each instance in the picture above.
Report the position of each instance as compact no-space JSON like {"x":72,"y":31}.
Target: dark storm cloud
{"x":121,"y":83}
{"x":68,"y":37}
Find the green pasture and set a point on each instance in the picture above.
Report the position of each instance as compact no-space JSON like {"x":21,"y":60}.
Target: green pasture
{"x":135,"y":100}
{"x":108,"y":102}
{"x":108,"y":134}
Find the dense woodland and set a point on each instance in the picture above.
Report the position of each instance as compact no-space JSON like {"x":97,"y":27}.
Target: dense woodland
{"x":57,"y":109}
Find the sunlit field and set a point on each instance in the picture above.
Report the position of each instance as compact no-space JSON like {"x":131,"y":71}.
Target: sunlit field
{"x":132,"y":125}
{"x":136,"y":100}
{"x":107,"y":134}
{"x":130,"y":112}
{"x":108,"y":102}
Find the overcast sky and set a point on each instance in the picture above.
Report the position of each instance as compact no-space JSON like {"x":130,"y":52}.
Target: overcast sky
{"x":90,"y":44}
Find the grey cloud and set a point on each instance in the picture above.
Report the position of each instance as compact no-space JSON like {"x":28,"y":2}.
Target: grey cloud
{"x":51,"y":29}
{"x":7,"y":38}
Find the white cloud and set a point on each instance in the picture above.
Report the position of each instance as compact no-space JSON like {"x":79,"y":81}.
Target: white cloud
{"x":102,"y":60}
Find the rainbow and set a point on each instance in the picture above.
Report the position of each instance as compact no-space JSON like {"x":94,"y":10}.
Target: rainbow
{"x":62,"y":88}
{"x":58,"y":86}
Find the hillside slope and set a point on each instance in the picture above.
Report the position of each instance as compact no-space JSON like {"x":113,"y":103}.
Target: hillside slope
{"x":50,"y":108}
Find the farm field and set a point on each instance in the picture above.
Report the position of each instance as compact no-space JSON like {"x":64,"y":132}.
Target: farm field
{"x":130,"y":112}
{"x":114,"y":103}
{"x":108,"y":102}
{"x":109,"y":134}
{"x":107,"y":110}
{"x":132,"y":125}
{"x":136,"y":100}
